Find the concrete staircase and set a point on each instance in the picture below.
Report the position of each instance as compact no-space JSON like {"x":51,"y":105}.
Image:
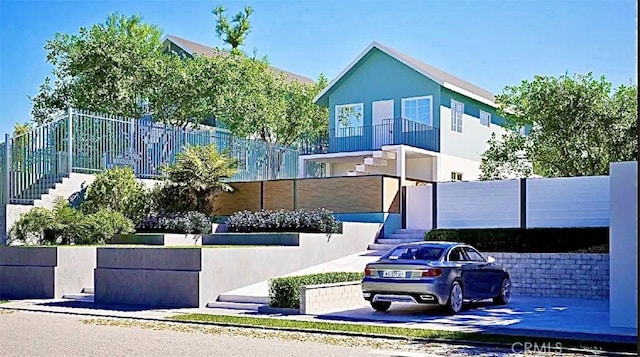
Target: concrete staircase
{"x":371,"y":164}
{"x":398,"y":237}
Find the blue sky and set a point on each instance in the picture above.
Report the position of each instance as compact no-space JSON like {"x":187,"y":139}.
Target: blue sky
{"x":490,"y":43}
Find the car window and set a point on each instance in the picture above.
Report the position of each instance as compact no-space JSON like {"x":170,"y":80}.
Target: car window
{"x":473,"y":255}
{"x":415,"y":253}
{"x":457,"y":255}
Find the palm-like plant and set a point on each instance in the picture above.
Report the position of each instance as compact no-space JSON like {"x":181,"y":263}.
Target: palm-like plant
{"x":199,"y":174}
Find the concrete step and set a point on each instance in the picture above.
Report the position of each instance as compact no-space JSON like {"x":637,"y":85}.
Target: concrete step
{"x":396,"y":241}
{"x":405,"y":236}
{"x":417,"y":231}
{"x":387,"y":155}
{"x":79,"y":297}
{"x":374,"y":161}
{"x":88,"y":290}
{"x":365,"y":168}
{"x":357,"y":173}
{"x":234,"y":306}
{"x":378,"y":246}
{"x":244,"y":299}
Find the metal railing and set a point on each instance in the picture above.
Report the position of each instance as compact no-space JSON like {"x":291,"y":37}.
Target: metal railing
{"x":374,"y":137}
{"x":85,"y":142}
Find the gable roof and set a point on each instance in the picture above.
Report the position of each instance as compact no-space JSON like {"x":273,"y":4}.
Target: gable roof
{"x":443,"y":78}
{"x":193,"y":48}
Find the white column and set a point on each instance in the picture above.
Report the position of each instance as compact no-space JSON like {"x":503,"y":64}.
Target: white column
{"x":401,"y":163}
{"x":328,"y":169}
{"x":623,"y":244}
{"x":434,"y":168}
{"x":302,"y":167}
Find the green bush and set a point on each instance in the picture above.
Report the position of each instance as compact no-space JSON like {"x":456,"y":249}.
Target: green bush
{"x":117,"y":189}
{"x":285,"y":292}
{"x":532,"y":240}
{"x":316,"y":221}
{"x":67,"y":226}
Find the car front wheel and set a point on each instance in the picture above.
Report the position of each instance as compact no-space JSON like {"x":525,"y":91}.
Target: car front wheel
{"x":505,"y":293}
{"x":380,"y":306}
{"x":454,"y":304}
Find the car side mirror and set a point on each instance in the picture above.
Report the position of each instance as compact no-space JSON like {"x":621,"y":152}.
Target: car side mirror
{"x":491,"y":260}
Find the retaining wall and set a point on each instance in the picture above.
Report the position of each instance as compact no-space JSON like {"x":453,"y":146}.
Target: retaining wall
{"x":327,"y":298}
{"x":192,"y":277}
{"x":577,"y":275}
{"x":45,"y":272}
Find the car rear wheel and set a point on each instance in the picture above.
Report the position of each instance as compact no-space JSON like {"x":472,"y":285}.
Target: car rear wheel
{"x":505,"y":292}
{"x":454,"y":304}
{"x":381,"y":306}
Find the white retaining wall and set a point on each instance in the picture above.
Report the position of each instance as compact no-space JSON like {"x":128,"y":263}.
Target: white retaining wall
{"x":327,"y":298}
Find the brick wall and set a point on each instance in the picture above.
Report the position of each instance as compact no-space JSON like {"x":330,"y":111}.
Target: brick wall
{"x":325,"y":298}
{"x":557,"y":274}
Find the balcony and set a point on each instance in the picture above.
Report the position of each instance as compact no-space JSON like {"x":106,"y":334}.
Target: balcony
{"x":373,"y":137}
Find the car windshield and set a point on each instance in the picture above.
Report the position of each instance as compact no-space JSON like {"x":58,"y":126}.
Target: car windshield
{"x":415,"y":253}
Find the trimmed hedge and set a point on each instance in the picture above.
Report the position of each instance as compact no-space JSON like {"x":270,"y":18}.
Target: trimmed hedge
{"x":315,"y":221}
{"x":532,"y":240}
{"x":285,"y":292}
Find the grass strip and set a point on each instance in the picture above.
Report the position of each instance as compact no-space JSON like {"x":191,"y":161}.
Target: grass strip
{"x":4,"y":301}
{"x":396,"y":332}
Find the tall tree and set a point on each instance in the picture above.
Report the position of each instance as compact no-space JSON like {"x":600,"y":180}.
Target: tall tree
{"x":108,"y":67}
{"x":576,"y":125}
{"x":233,"y":32}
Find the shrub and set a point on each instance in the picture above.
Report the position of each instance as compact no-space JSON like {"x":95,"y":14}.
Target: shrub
{"x":65,"y":226}
{"x":117,"y":189}
{"x":315,"y":221}
{"x":198,"y":175}
{"x":532,"y":240}
{"x":285,"y":292}
{"x":183,"y":222}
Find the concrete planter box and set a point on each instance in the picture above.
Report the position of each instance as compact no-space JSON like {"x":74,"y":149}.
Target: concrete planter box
{"x":285,"y":239}
{"x":163,"y":239}
{"x":193,"y":277}
{"x":45,"y":272}
{"x":577,"y":275}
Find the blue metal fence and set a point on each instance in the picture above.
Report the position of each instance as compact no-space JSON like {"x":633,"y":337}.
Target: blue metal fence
{"x":374,"y":137}
{"x":85,"y":142}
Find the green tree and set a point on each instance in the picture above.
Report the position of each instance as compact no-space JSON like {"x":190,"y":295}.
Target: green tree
{"x":576,"y":126}
{"x":108,"y":68}
{"x":197,"y":177}
{"x":233,"y":32}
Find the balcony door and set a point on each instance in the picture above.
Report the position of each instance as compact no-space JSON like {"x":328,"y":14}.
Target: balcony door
{"x":382,"y":115}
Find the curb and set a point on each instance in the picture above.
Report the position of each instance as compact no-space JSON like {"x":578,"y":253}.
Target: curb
{"x":325,"y":332}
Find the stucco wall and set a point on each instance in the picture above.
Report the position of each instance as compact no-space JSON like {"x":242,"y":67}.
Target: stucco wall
{"x":196,"y":276}
{"x":557,"y":274}
{"x":45,"y":272}
{"x":623,"y":245}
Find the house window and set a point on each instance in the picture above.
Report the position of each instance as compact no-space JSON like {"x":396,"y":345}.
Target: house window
{"x":457,"y":109}
{"x":456,"y":176}
{"x":485,"y":118}
{"x":349,"y":120}
{"x":418,"y":109}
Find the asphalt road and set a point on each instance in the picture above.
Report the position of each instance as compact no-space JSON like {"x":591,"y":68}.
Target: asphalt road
{"x":43,"y":334}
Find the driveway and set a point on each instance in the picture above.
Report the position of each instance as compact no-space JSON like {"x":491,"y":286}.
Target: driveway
{"x":531,"y":316}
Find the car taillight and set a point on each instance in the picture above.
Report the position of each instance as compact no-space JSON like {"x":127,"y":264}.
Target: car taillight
{"x":431,"y":273}
{"x":367,"y":272}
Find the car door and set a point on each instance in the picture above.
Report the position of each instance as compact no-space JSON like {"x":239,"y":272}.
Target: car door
{"x":488,"y":276}
{"x":467,"y":272}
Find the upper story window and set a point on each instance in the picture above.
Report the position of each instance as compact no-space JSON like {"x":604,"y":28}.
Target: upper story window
{"x":457,"y":110}
{"x":485,"y":118}
{"x":418,"y":109}
{"x":349,"y":119}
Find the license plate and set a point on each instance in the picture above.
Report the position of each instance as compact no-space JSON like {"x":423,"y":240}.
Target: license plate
{"x":393,"y":274}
